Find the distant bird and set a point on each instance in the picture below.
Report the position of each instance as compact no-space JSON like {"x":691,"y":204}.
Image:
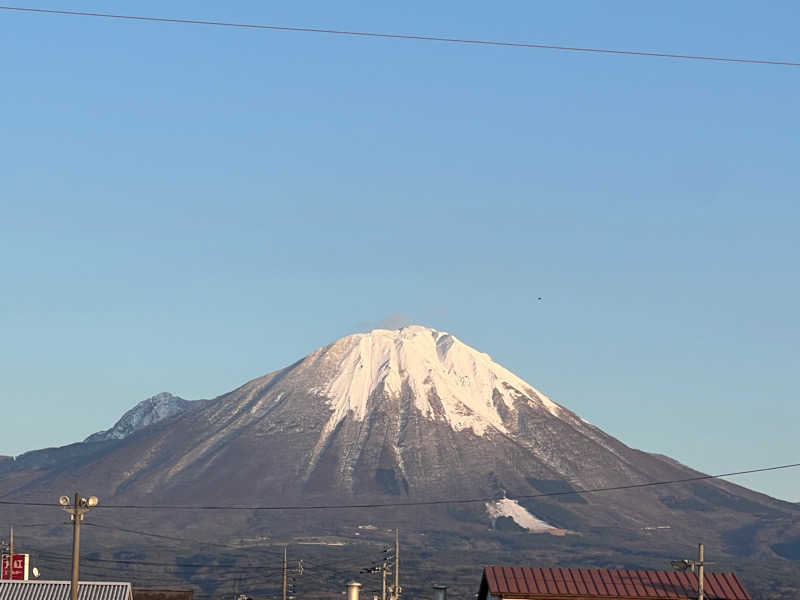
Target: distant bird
{"x":539,"y":298}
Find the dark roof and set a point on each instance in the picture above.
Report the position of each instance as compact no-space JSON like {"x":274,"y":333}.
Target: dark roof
{"x":60,"y":590}
{"x":528,"y":582}
{"x":162,"y":594}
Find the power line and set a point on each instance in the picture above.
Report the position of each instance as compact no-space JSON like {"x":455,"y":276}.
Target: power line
{"x":216,"y":544}
{"x":307,"y":566}
{"x":161,"y":564}
{"x":421,"y":502}
{"x":173,"y":538}
{"x":405,"y":36}
{"x":144,"y":571}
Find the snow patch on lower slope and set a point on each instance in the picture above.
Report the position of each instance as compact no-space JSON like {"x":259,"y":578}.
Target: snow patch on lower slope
{"x":506,"y":507}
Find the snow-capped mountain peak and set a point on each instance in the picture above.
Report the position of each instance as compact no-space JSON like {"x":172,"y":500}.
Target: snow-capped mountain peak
{"x":448,"y":380}
{"x":154,"y":409}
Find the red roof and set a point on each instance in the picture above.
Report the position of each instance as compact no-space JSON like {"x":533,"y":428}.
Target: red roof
{"x":529,"y":582}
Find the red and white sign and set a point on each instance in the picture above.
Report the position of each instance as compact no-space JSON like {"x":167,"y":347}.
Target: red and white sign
{"x":19,"y":568}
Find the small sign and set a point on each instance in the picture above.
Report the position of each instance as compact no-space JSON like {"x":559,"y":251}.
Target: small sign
{"x":19,"y":568}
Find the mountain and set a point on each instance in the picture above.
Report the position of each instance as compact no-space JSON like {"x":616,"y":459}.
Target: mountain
{"x":149,"y":411}
{"x":403,"y":416}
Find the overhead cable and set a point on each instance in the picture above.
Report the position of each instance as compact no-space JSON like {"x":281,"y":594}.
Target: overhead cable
{"x":172,"y":538}
{"x":405,"y":36}
{"x":413,"y":503}
{"x":159,"y":564}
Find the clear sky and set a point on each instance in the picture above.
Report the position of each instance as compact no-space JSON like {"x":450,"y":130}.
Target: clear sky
{"x":184,"y":208}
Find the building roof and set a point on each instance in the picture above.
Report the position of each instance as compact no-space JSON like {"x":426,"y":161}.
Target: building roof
{"x":162,"y":594}
{"x":60,"y":590}
{"x":552,"y":583}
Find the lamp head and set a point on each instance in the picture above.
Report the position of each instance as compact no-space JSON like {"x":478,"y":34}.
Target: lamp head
{"x":92,"y":501}
{"x":64,"y":500}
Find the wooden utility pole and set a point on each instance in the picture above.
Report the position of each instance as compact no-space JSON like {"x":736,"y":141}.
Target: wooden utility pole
{"x":691,"y":565}
{"x":76,"y":544}
{"x":383,"y":581}
{"x":285,"y":568}
{"x":76,"y":511}
{"x":700,"y":593}
{"x":11,"y":553}
{"x":396,"y":590}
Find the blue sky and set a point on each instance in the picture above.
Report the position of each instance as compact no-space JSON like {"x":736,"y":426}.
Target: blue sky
{"x":186,"y":208}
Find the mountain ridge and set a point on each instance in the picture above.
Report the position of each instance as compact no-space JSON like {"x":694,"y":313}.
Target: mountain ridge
{"x":431,"y":419}
{"x":151,"y":410}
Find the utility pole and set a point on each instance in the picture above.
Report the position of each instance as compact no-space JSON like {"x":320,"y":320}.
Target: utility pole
{"x":76,"y":512}
{"x":691,"y":565}
{"x":383,"y":580}
{"x":76,"y":546}
{"x":700,"y":595}
{"x":292,"y":584}
{"x":10,"y":552}
{"x":385,"y":570}
{"x":396,"y":589}
{"x":285,"y":567}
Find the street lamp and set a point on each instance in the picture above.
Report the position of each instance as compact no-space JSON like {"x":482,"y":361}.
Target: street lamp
{"x":76,"y":511}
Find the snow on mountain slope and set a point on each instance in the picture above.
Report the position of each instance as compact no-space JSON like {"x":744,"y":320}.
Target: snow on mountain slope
{"x":154,"y":409}
{"x":506,"y":507}
{"x":449,"y":380}
{"x":402,"y":412}
{"x":408,"y":416}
